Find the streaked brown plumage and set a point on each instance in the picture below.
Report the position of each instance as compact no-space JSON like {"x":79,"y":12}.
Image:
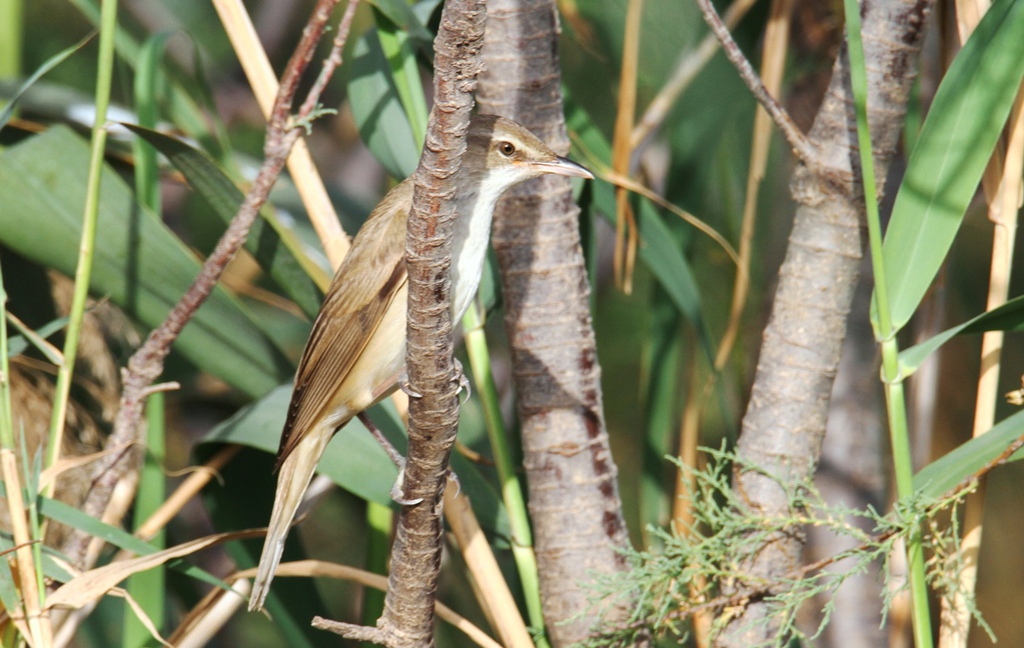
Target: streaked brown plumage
{"x":356,"y":350}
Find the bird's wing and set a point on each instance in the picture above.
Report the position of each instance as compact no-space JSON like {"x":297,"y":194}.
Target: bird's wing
{"x":350,"y":314}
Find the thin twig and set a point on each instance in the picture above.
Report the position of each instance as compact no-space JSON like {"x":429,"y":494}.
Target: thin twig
{"x":802,"y":147}
{"x":263,"y":81}
{"x":147,"y":363}
{"x":351,"y":631}
{"x":332,"y":61}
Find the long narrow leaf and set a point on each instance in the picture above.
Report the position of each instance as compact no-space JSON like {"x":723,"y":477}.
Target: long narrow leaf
{"x":49,"y":64}
{"x":405,"y":18}
{"x":20,"y":343}
{"x":265,"y":244}
{"x":139,"y":263}
{"x":1008,"y":317}
{"x":397,"y":48}
{"x":959,"y":133}
{"x":377,"y":109}
{"x":944,"y":473}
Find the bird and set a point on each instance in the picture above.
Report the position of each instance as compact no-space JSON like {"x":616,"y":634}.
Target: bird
{"x":355,"y":354}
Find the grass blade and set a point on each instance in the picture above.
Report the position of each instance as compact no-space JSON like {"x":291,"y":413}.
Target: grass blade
{"x":956,"y":141}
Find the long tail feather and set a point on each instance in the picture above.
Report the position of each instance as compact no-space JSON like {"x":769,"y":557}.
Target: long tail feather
{"x":292,"y":482}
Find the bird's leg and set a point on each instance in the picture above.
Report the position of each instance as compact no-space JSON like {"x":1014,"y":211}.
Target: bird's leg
{"x":396,"y":458}
{"x":397,"y":489}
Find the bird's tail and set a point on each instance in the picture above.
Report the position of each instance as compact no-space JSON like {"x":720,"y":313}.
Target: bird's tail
{"x":292,"y":482}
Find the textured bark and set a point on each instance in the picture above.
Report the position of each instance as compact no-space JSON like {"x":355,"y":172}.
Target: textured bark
{"x":408,"y":618}
{"x":574,"y":500}
{"x":785,"y":420}
{"x":853,"y":473}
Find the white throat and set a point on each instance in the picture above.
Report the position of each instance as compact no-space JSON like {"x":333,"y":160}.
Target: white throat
{"x":472,"y":233}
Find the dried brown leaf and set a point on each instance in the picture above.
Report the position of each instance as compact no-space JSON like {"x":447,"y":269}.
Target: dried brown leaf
{"x":93,"y":584}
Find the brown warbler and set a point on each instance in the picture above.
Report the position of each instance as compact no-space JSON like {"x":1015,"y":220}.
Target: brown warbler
{"x":356,"y":350}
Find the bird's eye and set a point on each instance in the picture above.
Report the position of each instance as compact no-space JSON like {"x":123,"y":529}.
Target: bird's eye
{"x":507,"y":148}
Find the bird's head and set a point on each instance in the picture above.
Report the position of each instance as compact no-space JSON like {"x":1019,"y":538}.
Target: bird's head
{"x":501,"y":153}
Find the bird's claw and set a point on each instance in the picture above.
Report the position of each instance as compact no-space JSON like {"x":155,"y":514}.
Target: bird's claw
{"x":454,"y":479}
{"x":403,"y":384}
{"x":464,"y":384}
{"x":398,"y":489}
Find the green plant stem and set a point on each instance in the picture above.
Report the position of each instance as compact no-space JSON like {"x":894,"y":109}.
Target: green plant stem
{"x":511,"y":491}
{"x":148,"y":588}
{"x":104,"y":74}
{"x":10,"y":38}
{"x":896,"y":408}
{"x":885,"y":331}
{"x":147,"y":82}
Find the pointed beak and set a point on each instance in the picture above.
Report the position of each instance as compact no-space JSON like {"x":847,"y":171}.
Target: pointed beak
{"x":563,"y":166}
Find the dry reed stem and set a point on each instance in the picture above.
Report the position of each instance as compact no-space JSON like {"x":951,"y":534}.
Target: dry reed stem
{"x":491,"y":588}
{"x":622,"y":150}
{"x":38,"y":632}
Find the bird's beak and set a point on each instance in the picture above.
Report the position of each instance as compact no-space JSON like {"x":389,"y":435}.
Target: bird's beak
{"x":563,"y":166}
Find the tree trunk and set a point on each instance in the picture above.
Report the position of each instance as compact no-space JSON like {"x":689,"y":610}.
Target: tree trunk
{"x":574,"y":499}
{"x":853,"y":473}
{"x":784,"y":424}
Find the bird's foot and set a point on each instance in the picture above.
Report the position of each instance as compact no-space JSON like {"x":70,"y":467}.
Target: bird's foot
{"x":464,"y":384}
{"x":454,"y":479}
{"x":403,"y":384}
{"x":398,"y":488}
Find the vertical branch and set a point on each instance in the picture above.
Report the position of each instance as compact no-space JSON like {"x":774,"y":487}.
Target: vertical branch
{"x":409,"y":606}
{"x":408,"y":618}
{"x":784,"y":424}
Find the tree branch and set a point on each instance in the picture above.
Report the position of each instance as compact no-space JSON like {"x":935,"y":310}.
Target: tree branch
{"x":803,"y":148}
{"x":784,"y":424}
{"x":408,"y":618}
